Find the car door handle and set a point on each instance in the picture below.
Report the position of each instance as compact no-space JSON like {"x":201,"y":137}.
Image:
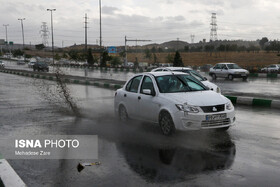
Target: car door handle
{"x":139,"y":97}
{"x":124,"y":95}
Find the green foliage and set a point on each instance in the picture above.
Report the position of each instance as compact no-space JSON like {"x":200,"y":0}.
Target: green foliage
{"x":105,"y":58}
{"x":147,"y":53}
{"x":160,"y":50}
{"x":153,"y":50}
{"x":263,"y":41}
{"x":73,"y":54}
{"x":209,"y":48}
{"x":178,"y":62}
{"x":64,"y":55}
{"x":155,"y":58}
{"x":136,"y":63}
{"x":186,"y":48}
{"x":57,"y":57}
{"x":17,"y":53}
{"x":27,"y":56}
{"x":115,"y":61}
{"x":169,"y":58}
{"x":90,"y":59}
{"x":39,"y":46}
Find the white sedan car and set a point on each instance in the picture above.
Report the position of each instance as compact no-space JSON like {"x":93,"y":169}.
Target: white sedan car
{"x":271,"y":68}
{"x":193,"y":73}
{"x":175,"y":101}
{"x":228,"y":70}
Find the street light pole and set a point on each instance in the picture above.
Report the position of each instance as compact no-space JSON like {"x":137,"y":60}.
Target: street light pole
{"x":52,"y":32}
{"x":7,"y":42}
{"x":21,"y":20}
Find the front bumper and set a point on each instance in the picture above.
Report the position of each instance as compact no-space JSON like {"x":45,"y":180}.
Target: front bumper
{"x":240,"y":75}
{"x":196,"y":121}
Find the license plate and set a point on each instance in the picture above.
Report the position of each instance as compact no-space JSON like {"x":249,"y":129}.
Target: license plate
{"x":243,"y":74}
{"x":216,"y":117}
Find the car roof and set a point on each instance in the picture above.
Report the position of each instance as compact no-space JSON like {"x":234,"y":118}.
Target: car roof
{"x":225,"y":63}
{"x":173,"y":68}
{"x":162,"y":73}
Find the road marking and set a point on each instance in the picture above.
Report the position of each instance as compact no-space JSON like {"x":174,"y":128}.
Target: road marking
{"x":8,"y":175}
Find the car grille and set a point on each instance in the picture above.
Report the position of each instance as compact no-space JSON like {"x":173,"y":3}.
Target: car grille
{"x":215,"y":123}
{"x":211,"y":109}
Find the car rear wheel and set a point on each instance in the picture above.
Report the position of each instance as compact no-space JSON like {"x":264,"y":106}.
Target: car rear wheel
{"x":230,"y":77}
{"x":122,"y":113}
{"x":166,"y":123}
{"x":214,"y":76}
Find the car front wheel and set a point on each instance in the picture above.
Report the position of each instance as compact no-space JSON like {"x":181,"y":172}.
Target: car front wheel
{"x":245,"y":78}
{"x":214,"y":77}
{"x":230,"y":77}
{"x":166,"y":123}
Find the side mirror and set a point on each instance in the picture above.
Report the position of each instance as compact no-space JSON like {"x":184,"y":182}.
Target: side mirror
{"x":148,"y":92}
{"x":205,"y":78}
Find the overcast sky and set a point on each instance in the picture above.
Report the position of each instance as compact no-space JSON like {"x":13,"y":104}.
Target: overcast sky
{"x":156,"y":20}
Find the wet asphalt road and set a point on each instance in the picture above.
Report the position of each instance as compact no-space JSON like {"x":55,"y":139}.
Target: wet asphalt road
{"x":254,"y":87}
{"x":137,"y":154}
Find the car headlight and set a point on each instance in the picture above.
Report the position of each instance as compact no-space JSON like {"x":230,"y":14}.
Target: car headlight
{"x":229,"y":106}
{"x":187,"y":108}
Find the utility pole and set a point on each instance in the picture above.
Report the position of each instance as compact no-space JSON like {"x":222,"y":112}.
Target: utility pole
{"x":100,"y":31}
{"x":52,"y":32}
{"x":100,"y":24}
{"x":125,"y":47}
{"x":21,"y":20}
{"x":7,"y":42}
{"x":86,"y":22}
{"x":214,"y":27}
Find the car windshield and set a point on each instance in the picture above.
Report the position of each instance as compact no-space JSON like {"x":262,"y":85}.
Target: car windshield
{"x":195,"y":74}
{"x":42,"y":63}
{"x":233,"y":66}
{"x":178,"y":83}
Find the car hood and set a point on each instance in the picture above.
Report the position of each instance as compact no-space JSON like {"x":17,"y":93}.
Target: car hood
{"x":210,"y":85}
{"x":199,"y":98}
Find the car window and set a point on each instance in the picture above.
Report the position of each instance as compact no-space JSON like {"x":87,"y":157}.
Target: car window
{"x":133,"y":84}
{"x":224,"y":66}
{"x":218,"y":66}
{"x":178,"y":83}
{"x":233,"y":66}
{"x":159,"y":70}
{"x":197,"y":75}
{"x":147,"y":84}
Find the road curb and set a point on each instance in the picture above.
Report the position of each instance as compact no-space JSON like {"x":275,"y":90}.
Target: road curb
{"x":265,"y":75}
{"x":254,"y":101}
{"x":8,"y":176}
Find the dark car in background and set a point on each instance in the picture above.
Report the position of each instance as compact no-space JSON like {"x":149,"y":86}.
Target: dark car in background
{"x":41,"y":66}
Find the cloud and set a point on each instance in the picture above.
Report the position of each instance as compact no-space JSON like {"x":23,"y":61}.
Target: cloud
{"x":109,"y":10}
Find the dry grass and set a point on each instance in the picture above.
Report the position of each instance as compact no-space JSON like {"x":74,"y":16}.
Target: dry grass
{"x":201,"y":58}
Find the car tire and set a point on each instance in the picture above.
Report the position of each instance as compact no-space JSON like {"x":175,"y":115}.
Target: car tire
{"x":214,"y":76}
{"x":230,"y":77}
{"x":123,"y":113}
{"x":245,"y":78}
{"x":166,"y":124}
